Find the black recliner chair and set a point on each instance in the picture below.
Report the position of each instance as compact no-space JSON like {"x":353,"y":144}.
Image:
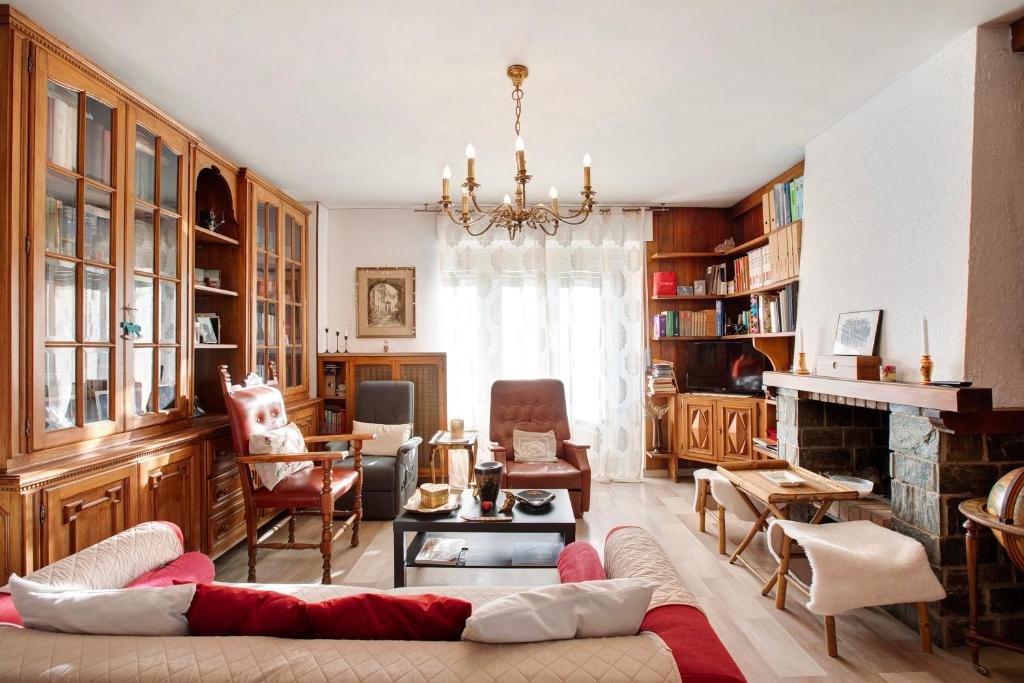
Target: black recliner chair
{"x":388,"y":481}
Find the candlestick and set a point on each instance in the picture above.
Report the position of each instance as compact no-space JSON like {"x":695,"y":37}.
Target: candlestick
{"x":801,"y":364}
{"x":327,"y":340}
{"x":926,"y":369}
{"x":470,"y":162}
{"x":346,"y":341}
{"x":520,"y":154}
{"x":924,"y":336}
{"x":337,"y":346}
{"x":586,"y":171}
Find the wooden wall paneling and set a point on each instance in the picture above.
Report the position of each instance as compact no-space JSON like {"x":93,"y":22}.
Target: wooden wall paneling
{"x":10,"y":520}
{"x":169,"y":490}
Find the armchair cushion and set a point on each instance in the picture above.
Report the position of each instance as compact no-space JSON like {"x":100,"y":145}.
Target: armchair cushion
{"x":302,"y":489}
{"x":534,"y":446}
{"x":390,"y":437}
{"x":544,"y":475}
{"x":285,"y":440}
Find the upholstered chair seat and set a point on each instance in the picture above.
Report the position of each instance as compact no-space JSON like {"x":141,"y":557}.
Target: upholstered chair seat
{"x":303,"y":489}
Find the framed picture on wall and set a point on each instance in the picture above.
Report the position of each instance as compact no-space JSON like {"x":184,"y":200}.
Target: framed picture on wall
{"x":857,"y":333}
{"x":386,"y":302}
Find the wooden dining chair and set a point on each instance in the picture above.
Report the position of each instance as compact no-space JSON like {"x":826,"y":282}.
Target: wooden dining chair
{"x":255,"y":407}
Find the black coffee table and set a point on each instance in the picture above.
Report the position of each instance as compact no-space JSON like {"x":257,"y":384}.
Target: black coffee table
{"x":489,"y":543}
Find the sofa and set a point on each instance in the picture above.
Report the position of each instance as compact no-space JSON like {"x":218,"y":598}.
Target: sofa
{"x":676,"y":642}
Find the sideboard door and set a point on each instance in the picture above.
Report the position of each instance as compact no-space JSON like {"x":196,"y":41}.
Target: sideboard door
{"x":167,"y":491}
{"x":85,"y":511}
{"x":698,"y":428}
{"x":736,"y":429}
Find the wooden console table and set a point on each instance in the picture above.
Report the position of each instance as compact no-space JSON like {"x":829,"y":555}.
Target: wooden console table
{"x":441,"y":443}
{"x":978,"y":518}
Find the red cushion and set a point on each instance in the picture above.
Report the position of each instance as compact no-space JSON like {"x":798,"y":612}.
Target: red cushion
{"x":373,"y":616}
{"x":189,"y":568}
{"x":229,"y":611}
{"x":580,"y":562}
{"x":699,"y":654}
{"x":8,"y":615}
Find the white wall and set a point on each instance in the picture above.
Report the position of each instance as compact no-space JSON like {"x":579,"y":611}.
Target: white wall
{"x":887,"y":210}
{"x":378,"y":237}
{"x":995,"y":327}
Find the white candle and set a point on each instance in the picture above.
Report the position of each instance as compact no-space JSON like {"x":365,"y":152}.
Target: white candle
{"x":346,"y":333}
{"x":924,"y":336}
{"x":801,"y":340}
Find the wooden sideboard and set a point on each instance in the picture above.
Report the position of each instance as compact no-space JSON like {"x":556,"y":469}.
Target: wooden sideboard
{"x":714,"y":429}
{"x":108,"y":206}
{"x":427,"y":372}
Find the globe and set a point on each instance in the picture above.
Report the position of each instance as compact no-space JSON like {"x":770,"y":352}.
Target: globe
{"x":998,"y":502}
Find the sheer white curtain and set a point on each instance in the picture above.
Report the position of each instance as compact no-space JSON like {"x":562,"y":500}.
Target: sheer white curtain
{"x":567,"y":307}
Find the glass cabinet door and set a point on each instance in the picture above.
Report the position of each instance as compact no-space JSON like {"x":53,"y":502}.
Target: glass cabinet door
{"x":155,"y":250}
{"x":74,"y":254}
{"x":280,"y":315}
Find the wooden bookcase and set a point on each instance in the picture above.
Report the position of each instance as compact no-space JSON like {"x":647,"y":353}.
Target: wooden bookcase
{"x":427,"y":372}
{"x":704,"y":428}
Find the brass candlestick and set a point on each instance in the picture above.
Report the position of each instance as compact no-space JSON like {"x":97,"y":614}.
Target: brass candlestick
{"x":926,"y":369}
{"x":801,"y":364}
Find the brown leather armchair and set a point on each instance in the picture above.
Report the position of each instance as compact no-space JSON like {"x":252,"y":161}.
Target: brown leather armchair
{"x":259,"y":407}
{"x":538,"y":405}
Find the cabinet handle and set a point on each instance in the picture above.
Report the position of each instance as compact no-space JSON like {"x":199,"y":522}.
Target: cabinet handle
{"x":223,"y":528}
{"x":219,"y":494}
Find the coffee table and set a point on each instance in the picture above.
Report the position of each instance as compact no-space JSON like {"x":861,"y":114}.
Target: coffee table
{"x":489,"y":543}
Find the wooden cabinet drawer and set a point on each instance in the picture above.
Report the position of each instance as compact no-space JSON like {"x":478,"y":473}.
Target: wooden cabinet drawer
{"x":222,"y":490}
{"x":305,"y":420}
{"x":220,"y":455}
{"x":227,"y":527}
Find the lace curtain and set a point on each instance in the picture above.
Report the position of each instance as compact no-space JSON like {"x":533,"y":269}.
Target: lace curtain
{"x":568,"y":307}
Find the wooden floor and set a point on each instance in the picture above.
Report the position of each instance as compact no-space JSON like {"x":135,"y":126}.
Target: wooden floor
{"x":768,"y":644}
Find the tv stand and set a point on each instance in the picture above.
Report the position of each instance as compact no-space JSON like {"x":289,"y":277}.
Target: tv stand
{"x":716,"y":428}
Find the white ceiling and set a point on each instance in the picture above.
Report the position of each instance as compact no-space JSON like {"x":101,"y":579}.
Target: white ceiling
{"x":694,"y":102}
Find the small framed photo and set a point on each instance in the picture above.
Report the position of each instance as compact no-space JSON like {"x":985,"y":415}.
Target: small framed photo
{"x":699,"y":287}
{"x":207,"y":328}
{"x":857,"y":333}
{"x":386,"y":302}
{"x":211,"y":277}
{"x":684,"y":290}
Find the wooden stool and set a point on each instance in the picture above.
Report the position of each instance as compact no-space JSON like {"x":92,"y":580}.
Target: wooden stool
{"x":921,"y":589}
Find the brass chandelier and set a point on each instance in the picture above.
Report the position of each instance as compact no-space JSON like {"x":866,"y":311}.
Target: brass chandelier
{"x":513,"y":216}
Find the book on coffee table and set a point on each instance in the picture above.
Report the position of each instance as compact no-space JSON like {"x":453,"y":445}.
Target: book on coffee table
{"x":441,"y":551}
{"x":535,"y":554}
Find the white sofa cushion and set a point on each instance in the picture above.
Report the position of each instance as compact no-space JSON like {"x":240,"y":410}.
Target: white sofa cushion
{"x":589,"y":609}
{"x":389,"y":437}
{"x":113,"y":611}
{"x":287,"y":440}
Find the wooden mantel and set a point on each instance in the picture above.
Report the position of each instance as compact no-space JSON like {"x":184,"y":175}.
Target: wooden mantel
{"x":946,"y":399}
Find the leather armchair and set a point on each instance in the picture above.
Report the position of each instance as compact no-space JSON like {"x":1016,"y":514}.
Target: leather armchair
{"x":257,"y":407}
{"x":388,"y":481}
{"x":538,"y":405}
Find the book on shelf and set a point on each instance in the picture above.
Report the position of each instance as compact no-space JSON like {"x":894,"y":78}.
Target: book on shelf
{"x":771,"y":313}
{"x":783,"y":204}
{"x":684,"y":323}
{"x":334,"y":421}
{"x":445,"y":552}
{"x":661,"y":378}
{"x":777,"y":260}
{"x":664,"y":284}
{"x":535,"y":553}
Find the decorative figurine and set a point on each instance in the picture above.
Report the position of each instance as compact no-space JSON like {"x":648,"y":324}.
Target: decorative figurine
{"x":508,"y":503}
{"x":387,"y":347}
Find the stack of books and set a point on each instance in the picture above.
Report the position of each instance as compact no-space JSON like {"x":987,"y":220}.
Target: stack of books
{"x":771,"y":313}
{"x":444,"y":552}
{"x":777,"y":260}
{"x":661,"y":378}
{"x":334,"y":421}
{"x":783,"y":204}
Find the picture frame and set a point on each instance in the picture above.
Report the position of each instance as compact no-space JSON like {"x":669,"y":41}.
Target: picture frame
{"x":699,"y":287}
{"x":857,"y":333}
{"x":207,"y":328}
{"x":386,"y":302}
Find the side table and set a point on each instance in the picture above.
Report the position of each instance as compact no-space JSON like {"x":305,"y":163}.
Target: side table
{"x":442,"y":442}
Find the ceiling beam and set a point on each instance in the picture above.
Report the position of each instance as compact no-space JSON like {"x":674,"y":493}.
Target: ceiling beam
{"x":1017,"y":35}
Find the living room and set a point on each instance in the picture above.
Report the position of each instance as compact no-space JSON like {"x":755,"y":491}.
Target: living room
{"x":512,"y":341}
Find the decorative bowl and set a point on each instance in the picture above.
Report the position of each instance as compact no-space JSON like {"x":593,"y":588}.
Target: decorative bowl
{"x":535,"y":498}
{"x":863,"y":487}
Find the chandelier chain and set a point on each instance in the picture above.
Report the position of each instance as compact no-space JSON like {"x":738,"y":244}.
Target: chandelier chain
{"x":517,"y":96}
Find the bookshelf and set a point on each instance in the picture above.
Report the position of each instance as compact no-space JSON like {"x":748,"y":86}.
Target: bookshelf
{"x":684,"y":244}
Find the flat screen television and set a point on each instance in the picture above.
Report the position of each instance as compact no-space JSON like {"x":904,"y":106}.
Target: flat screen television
{"x":726,"y":367}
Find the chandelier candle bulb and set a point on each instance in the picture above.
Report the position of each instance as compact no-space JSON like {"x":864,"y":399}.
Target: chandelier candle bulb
{"x":470,"y":162}
{"x":586,"y":170}
{"x":446,"y":178}
{"x":507,"y":200}
{"x":520,"y":154}
{"x":554,"y":200}
{"x":465,"y":201}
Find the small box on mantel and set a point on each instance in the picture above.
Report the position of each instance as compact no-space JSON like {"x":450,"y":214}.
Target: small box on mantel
{"x":848,"y":367}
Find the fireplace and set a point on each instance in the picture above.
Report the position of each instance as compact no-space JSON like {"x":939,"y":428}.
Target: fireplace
{"x":928,"y":448}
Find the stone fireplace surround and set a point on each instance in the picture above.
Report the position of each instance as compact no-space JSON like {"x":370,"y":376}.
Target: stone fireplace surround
{"x":945,"y":445}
